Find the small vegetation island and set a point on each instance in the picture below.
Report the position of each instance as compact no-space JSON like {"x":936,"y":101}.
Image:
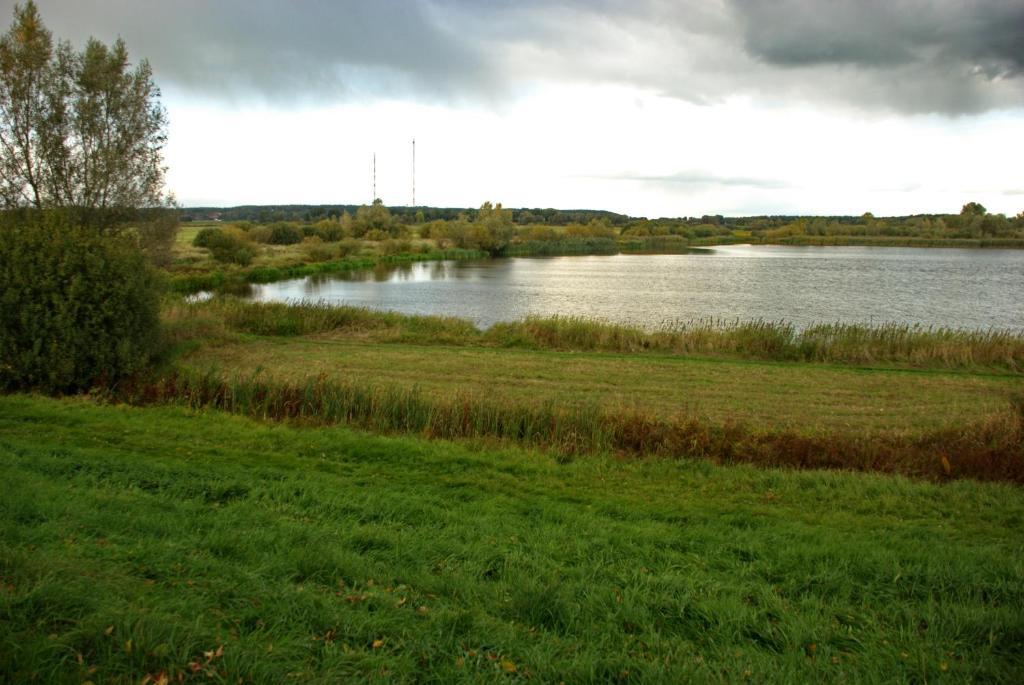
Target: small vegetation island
{"x":217,"y":489}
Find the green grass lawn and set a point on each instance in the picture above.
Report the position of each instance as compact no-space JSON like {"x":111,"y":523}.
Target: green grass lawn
{"x":136,"y":542}
{"x":801,"y":396}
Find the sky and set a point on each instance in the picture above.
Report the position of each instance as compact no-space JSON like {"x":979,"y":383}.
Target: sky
{"x":646,"y":107}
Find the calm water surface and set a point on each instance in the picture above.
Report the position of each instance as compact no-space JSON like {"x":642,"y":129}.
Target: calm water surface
{"x":950,"y":287}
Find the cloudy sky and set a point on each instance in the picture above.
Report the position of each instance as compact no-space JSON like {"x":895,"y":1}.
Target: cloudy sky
{"x":649,"y":107}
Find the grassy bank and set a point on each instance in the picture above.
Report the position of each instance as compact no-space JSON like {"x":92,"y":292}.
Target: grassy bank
{"x":325,"y":365}
{"x":765,"y":395}
{"x":159,"y":541}
{"x":991,"y":448}
{"x":923,"y":347}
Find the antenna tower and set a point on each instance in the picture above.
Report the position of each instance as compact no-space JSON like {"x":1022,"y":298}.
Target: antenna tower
{"x":374,"y":198}
{"x":413,"y":172}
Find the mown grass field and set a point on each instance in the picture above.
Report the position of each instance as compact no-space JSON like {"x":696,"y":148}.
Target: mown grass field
{"x":163,"y":542}
{"x":931,"y":403}
{"x":799,"y":396}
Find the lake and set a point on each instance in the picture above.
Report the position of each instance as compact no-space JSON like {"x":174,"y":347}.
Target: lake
{"x":937,"y":286}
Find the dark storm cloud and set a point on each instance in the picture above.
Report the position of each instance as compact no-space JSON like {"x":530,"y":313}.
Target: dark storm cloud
{"x":319,"y":49}
{"x":986,"y":35}
{"x":946,"y":56}
{"x":950,"y":56}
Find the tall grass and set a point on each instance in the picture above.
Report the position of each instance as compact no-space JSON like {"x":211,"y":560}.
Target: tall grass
{"x":893,"y":343}
{"x":222,"y":316}
{"x":917,"y":345}
{"x":579,"y":245}
{"x":895,"y":241}
{"x":991,"y":449}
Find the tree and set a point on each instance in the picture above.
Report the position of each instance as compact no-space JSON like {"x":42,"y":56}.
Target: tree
{"x":81,"y":180}
{"x":493,"y":228}
{"x":376,"y":217}
{"x":26,"y":62}
{"x":973,"y":209}
{"x":82,"y":130}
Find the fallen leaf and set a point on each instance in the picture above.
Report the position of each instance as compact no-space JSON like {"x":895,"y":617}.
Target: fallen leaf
{"x":508,"y":666}
{"x":377,"y":644}
{"x":109,"y":630}
{"x":128,"y":646}
{"x":946,"y":466}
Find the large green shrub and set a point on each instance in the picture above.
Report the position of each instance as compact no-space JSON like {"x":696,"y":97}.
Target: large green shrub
{"x":78,"y":306}
{"x":224,"y":246}
{"x":285,"y":234}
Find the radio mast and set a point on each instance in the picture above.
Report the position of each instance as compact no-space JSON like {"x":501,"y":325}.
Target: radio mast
{"x":413,"y":172}
{"x":374,"y":198}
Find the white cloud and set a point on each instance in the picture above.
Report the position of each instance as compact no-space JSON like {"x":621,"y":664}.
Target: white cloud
{"x":601,"y":147}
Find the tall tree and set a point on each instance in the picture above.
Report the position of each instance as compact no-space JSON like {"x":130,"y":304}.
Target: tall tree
{"x":26,"y":69}
{"x":77,"y":129}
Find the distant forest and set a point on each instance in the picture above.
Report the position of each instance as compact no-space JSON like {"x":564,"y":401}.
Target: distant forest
{"x":973,"y":223}
{"x":403,"y":214}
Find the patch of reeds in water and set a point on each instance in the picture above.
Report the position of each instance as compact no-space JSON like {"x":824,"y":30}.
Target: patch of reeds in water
{"x":992,"y":449}
{"x":779,"y":340}
{"x":923,"y":346}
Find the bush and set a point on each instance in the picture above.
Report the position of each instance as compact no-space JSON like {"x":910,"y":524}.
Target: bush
{"x":206,"y":237}
{"x":349,"y":247}
{"x":395,"y":247}
{"x":225,"y":246}
{"x":78,"y":306}
{"x":318,"y":251}
{"x":259,"y":234}
{"x":330,"y":231}
{"x":285,"y":234}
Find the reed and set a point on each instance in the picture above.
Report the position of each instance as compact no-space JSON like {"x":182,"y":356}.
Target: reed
{"x":990,"y":449}
{"x":582,"y":245}
{"x":888,"y":343}
{"x":777,"y":340}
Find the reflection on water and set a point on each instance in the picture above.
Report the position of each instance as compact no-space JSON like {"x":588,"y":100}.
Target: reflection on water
{"x":952,"y":287}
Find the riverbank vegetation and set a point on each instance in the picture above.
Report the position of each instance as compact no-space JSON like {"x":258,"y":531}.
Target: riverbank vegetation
{"x":227,"y":255}
{"x":173,"y":544}
{"x":576,"y":386}
{"x":862,"y":344}
{"x":972,"y":226}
